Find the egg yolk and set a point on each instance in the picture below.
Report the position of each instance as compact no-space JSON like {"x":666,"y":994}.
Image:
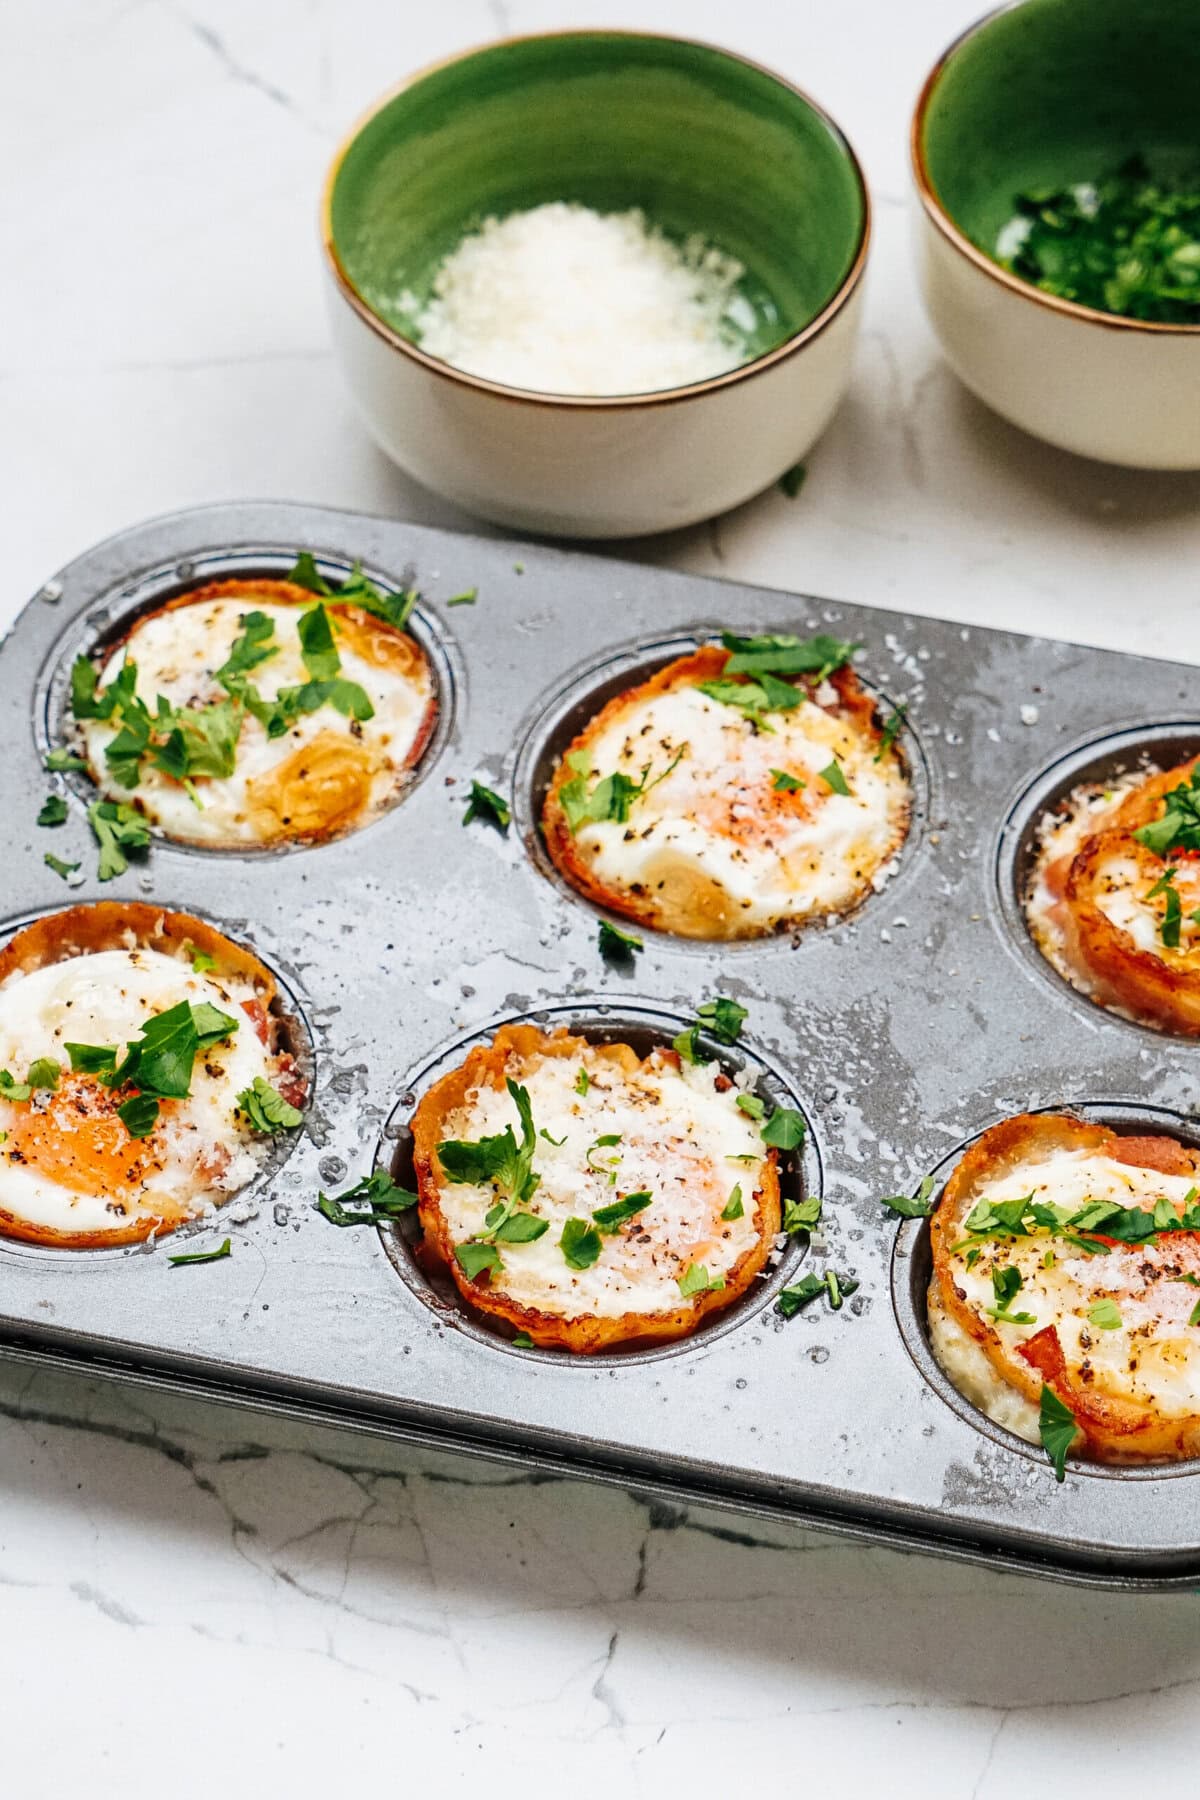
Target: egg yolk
{"x":320,"y":786}
{"x":78,"y":1141}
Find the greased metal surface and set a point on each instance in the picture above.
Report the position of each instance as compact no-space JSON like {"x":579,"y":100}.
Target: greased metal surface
{"x":901,"y":1032}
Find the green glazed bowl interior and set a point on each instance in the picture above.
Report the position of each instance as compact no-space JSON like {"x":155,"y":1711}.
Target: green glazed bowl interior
{"x":700,"y":140}
{"x":1056,"y":92}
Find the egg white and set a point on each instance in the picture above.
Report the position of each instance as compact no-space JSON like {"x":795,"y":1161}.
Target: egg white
{"x":1154,"y":1333}
{"x":678,"y":1133}
{"x":804,"y":867}
{"x":106,"y":998}
{"x":176,"y":653}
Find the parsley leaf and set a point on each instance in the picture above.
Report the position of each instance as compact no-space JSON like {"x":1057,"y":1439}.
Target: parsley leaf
{"x":203,"y":1256}
{"x":783,"y":783}
{"x":91,"y":1059}
{"x":117,"y":828}
{"x":616,"y":944}
{"x":803,"y":1292}
{"x":752,"y":1105}
{"x":44,"y":1073}
{"x":1179,"y":826}
{"x":1006,"y":1285}
{"x":912,"y":1206}
{"x":523,"y":1341}
{"x":305,"y":573}
{"x":252,"y":647}
{"x":613,"y":795}
{"x":12,"y":1089}
{"x":499,"y":1159}
{"x":583,"y":1081}
{"x":722,"y":1019}
{"x":784,"y":1130}
{"x":610,"y":1218}
{"x":834,"y":777}
{"x":484,"y":803}
{"x":891,"y":731}
{"x":1105,"y":1314}
{"x":468,"y":597}
{"x":65,"y":869}
{"x":801,"y":1215}
{"x":476,"y":1258}
{"x":817,"y":656}
{"x":580,"y":1244}
{"x":697,"y":1280}
{"x":357,"y":590}
{"x":200,"y":960}
{"x":1057,"y":1427}
{"x":733,"y":1208}
{"x":139,"y":1115}
{"x":61,"y":758}
{"x":378,"y":1194}
{"x":54,"y":810}
{"x":266,"y":1109}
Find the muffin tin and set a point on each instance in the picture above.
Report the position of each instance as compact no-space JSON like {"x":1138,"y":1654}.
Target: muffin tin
{"x":900,"y":1033}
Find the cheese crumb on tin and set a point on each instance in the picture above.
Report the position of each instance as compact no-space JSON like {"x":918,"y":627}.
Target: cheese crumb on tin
{"x":561,"y":299}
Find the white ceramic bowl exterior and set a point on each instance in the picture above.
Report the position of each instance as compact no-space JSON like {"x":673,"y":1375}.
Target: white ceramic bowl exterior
{"x":607,"y":470}
{"x":1099,"y":388}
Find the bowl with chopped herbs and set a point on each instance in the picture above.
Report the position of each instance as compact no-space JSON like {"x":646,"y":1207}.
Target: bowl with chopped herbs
{"x":1057,"y":164}
{"x":596,"y":283}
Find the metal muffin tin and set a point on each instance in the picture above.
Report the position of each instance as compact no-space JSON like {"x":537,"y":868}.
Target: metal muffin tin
{"x":901,"y":1033}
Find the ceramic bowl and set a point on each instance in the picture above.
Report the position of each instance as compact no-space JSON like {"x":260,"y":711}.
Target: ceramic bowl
{"x":1050,"y":93}
{"x":699,"y":139}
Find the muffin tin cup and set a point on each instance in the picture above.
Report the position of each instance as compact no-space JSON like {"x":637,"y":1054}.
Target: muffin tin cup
{"x":896,"y":1030}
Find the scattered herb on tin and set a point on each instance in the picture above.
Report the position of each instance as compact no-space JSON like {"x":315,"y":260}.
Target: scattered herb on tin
{"x":801,"y":1215}
{"x":1057,"y":1428}
{"x":61,"y":868}
{"x":617,"y":945}
{"x":202,"y":1256}
{"x":468,"y":597}
{"x":376,"y":1197}
{"x":912,"y":1206}
{"x":722,"y":1018}
{"x":485,"y":803}
{"x":117,"y":828}
{"x":53,"y":810}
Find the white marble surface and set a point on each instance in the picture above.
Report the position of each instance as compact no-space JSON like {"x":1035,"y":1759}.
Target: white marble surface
{"x":195,"y":1600}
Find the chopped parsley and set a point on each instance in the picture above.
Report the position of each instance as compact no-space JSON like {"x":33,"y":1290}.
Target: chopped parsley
{"x":200,"y":960}
{"x":617,"y":945}
{"x":722,"y":1019}
{"x":817,"y":656}
{"x":891,"y":731}
{"x":1105,"y":1314}
{"x":523,"y":1341}
{"x":580,"y":1244}
{"x":497,"y":1161}
{"x":792,"y":480}
{"x":697,"y":1280}
{"x":912,"y":1206}
{"x":64,"y":869}
{"x":783,"y":783}
{"x":91,"y":1059}
{"x":468,"y":597}
{"x":202,"y":1256}
{"x":376,"y":1197}
{"x":1128,"y":244}
{"x":267,"y":1110}
{"x":784,"y":1130}
{"x":60,"y":758}
{"x":117,"y":828}
{"x":801,"y":1215}
{"x":733,"y":1208}
{"x":1006,"y":1285}
{"x":357,"y":590}
{"x":1172,"y":918}
{"x":1179,"y":826}
{"x":753,"y":698}
{"x":610,"y":1218}
{"x":485,"y":803}
{"x":834,"y":777}
{"x":252,"y":647}
{"x":1057,"y":1428}
{"x":474,"y":1258}
{"x":583,"y":1081}
{"x":139,"y":1115}
{"x":1000,"y":1221}
{"x":53,"y":810}
{"x":752,"y":1105}
{"x":12,"y":1089}
{"x":44,"y":1074}
{"x":613,"y":795}
{"x":810,"y":1287}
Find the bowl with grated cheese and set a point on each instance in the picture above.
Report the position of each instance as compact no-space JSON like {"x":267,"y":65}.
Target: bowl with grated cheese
{"x":596,"y":283}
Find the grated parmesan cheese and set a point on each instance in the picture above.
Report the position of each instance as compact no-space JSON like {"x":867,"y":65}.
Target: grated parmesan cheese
{"x":565,"y":300}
